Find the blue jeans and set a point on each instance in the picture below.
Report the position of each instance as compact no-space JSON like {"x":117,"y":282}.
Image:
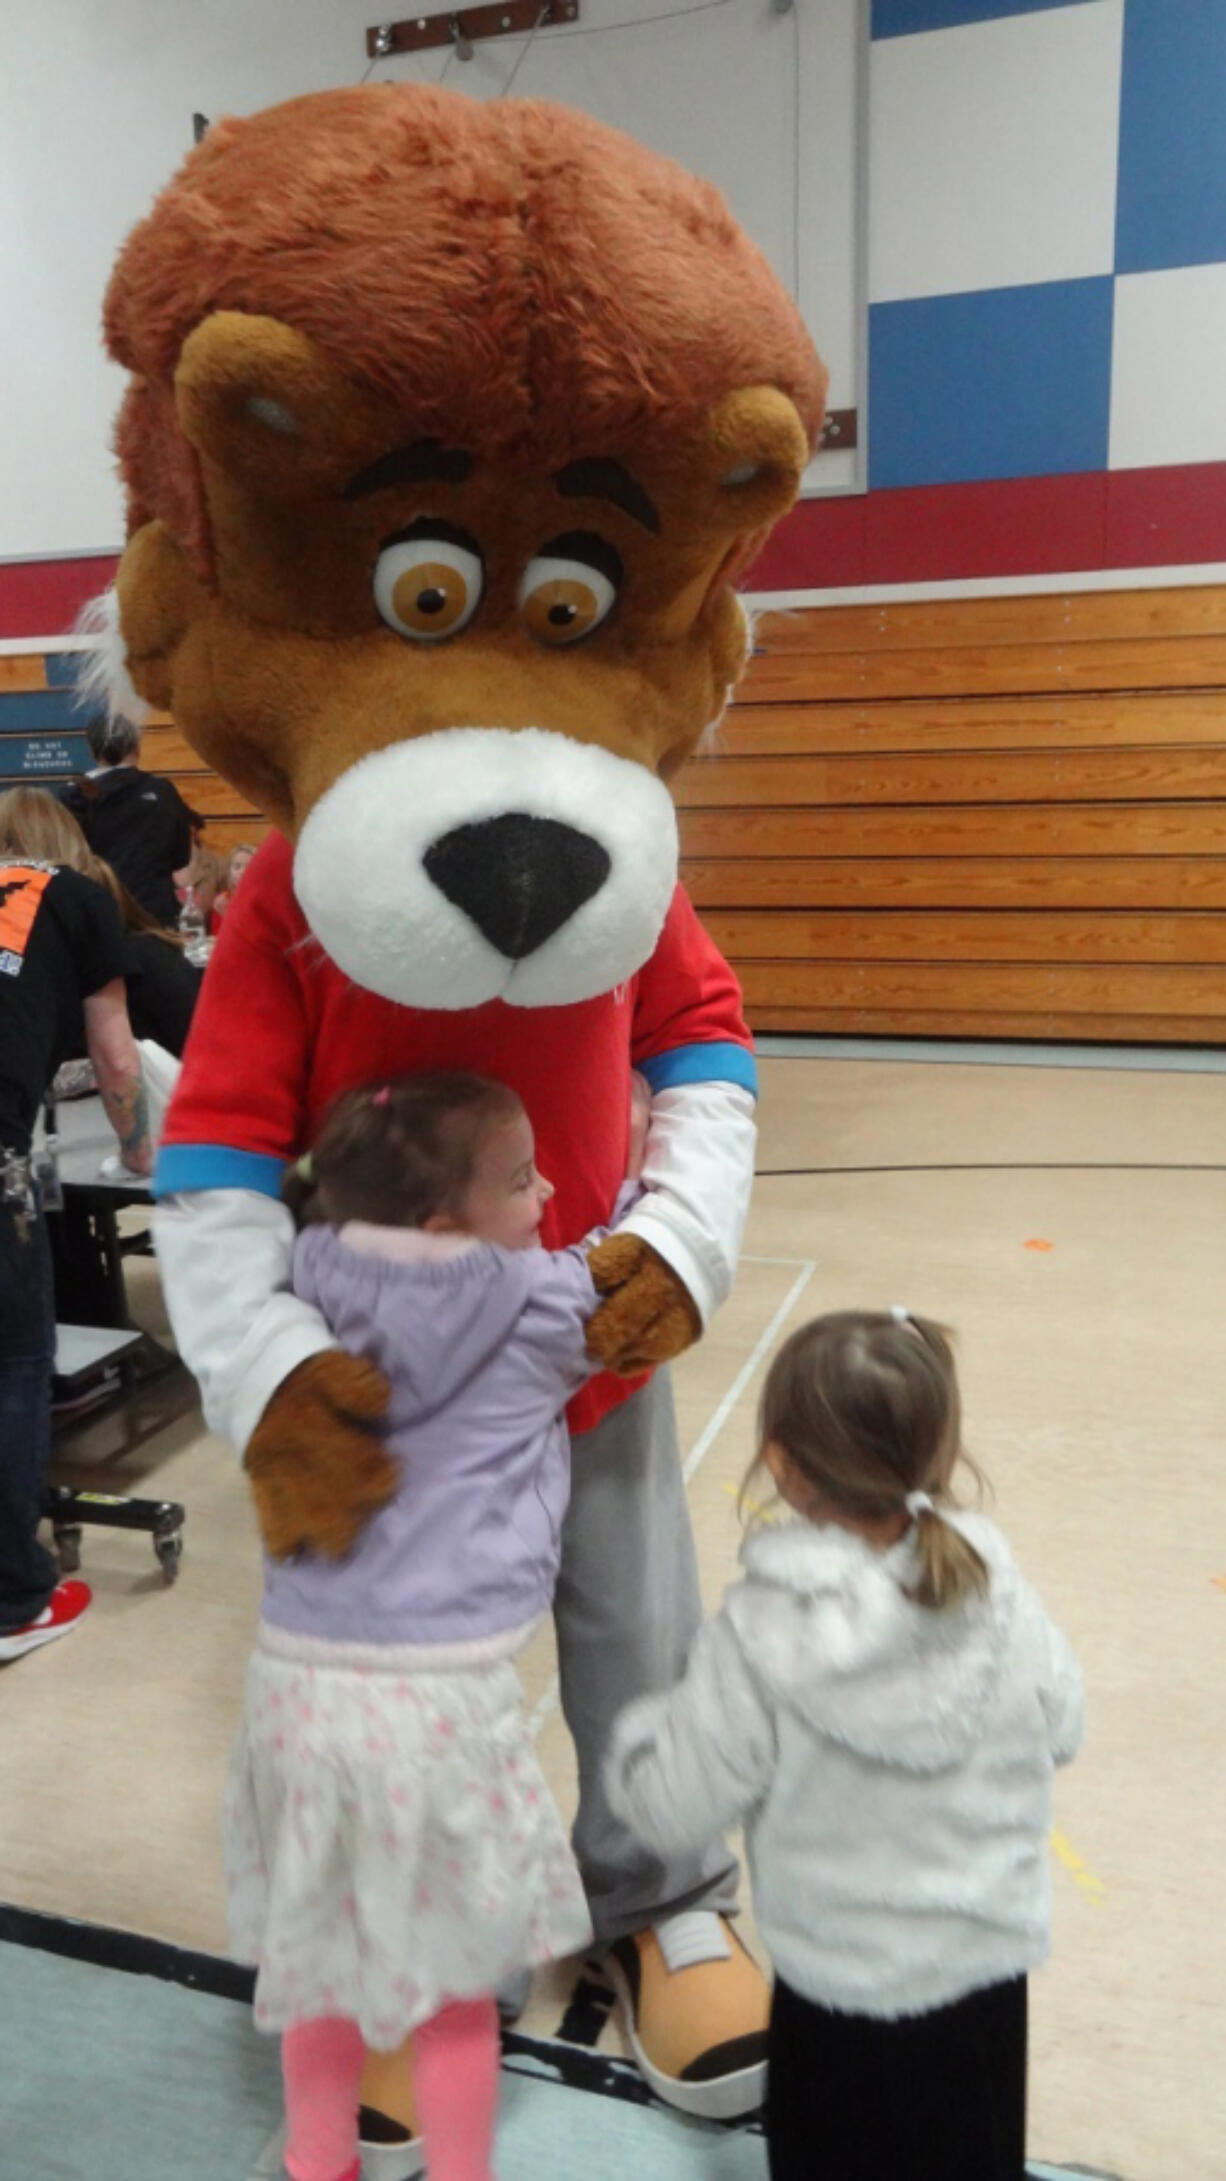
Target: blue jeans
{"x":28,"y":1574}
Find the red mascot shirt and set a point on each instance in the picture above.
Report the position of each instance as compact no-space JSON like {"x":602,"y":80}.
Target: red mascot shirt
{"x":279,"y":1031}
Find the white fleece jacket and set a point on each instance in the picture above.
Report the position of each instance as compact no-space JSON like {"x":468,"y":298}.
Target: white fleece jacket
{"x":892,"y":1764}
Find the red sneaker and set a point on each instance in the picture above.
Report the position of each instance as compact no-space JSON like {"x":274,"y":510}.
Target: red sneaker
{"x":68,"y":1603}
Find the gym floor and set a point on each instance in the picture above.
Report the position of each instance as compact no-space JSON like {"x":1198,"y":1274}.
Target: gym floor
{"x":1065,"y":1212}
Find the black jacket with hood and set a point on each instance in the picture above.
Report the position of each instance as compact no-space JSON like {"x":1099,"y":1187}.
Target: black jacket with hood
{"x":141,"y":826}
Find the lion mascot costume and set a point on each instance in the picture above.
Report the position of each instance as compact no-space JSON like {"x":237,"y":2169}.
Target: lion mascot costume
{"x":450,"y":427}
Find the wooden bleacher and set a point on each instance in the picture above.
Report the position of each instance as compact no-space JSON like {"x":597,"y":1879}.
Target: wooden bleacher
{"x":979,"y":817}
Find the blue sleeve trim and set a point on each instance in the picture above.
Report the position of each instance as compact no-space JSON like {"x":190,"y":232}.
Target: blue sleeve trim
{"x":716,"y":1063}
{"x":183,"y":1168}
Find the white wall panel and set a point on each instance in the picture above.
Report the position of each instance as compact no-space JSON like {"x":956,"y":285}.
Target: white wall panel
{"x":993,"y":149}
{"x":1168,"y":377}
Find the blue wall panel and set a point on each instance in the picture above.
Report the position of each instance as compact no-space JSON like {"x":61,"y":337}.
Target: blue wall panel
{"x":901,"y":18}
{"x":1171,"y":200}
{"x":22,"y":710}
{"x":1006,"y":382}
{"x":62,"y":667}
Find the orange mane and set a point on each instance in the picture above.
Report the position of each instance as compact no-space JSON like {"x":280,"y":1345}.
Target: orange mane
{"x":520,"y":280}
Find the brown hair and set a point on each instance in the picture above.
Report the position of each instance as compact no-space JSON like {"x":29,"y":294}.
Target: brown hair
{"x":396,"y":1152}
{"x":204,"y":863}
{"x":865,"y":1404}
{"x":33,"y":822}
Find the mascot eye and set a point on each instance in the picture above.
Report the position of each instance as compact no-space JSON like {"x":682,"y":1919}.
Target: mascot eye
{"x":569,"y":588}
{"x":428,"y":582}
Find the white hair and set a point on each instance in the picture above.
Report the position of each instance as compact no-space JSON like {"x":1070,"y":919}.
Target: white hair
{"x":103,"y":682}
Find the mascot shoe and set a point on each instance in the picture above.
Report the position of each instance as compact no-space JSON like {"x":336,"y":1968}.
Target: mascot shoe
{"x":391,"y":2148}
{"x":696,"y":2008}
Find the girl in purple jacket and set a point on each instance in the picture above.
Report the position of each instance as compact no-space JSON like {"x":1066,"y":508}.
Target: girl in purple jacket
{"x":393,"y":1852}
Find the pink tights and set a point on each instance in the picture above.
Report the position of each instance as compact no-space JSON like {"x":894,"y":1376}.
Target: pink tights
{"x":455,"y":2077}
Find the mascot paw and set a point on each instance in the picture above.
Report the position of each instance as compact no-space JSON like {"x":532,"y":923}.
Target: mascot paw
{"x":647,"y":1315}
{"x":317,"y":1467}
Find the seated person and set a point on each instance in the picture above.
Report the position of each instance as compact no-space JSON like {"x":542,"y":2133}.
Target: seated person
{"x":200,"y":881}
{"x":162,"y":985}
{"x":61,"y":966}
{"x":235,"y":865}
{"x":138,"y":822}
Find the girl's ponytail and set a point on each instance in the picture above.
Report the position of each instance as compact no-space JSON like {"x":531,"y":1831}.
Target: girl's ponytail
{"x":950,"y":1568}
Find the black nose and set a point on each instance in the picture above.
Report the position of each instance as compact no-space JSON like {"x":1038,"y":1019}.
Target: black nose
{"x":518,"y":878}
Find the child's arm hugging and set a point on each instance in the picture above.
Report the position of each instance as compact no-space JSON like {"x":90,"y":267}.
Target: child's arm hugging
{"x":686,"y":1763}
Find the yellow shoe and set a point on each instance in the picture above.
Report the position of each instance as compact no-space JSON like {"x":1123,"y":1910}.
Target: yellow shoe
{"x":391,"y":2148}
{"x":696,"y":2008}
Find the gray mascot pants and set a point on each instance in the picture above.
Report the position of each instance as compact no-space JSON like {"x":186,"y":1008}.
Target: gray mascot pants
{"x":626,"y":1610}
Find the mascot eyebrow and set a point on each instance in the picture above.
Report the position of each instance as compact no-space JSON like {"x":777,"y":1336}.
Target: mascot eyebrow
{"x":593,"y":479}
{"x":425,"y":462}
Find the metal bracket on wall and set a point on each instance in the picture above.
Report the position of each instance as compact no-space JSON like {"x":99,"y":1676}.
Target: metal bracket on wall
{"x":839,"y":430}
{"x":467,"y":25}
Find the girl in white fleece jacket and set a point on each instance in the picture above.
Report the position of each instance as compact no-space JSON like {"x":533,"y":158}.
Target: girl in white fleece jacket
{"x":883,"y":1700}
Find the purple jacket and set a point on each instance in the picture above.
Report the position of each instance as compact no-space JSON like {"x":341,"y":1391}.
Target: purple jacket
{"x":483,"y":1350}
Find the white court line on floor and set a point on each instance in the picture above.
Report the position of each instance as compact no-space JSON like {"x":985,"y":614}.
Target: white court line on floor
{"x":547,"y":1702}
{"x":743,"y":1376}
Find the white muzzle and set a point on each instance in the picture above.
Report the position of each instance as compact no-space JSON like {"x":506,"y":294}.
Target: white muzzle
{"x":482,"y":863}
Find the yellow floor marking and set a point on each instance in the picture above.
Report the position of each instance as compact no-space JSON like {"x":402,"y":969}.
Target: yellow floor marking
{"x":1092,"y":1887}
{"x":765,"y":1510}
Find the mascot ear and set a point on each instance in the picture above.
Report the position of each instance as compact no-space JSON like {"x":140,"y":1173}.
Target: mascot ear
{"x":752,"y":456}
{"x":263,"y":403}
{"x":743,"y":476}
{"x":756,"y":452}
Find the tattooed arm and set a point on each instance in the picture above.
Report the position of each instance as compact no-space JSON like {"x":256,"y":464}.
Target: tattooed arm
{"x":112,"y":1048}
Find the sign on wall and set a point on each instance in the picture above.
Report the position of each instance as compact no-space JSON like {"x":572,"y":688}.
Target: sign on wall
{"x":42,"y":757}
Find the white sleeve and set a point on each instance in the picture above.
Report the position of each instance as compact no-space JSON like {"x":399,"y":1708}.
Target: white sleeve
{"x":683,"y":1765}
{"x":697,"y":1177}
{"x":226,"y":1257}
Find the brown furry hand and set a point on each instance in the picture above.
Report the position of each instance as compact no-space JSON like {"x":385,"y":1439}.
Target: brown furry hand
{"x":317,"y":1467}
{"x":647,"y":1316}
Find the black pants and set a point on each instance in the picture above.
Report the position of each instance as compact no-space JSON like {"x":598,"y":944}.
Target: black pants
{"x":28,"y":1574}
{"x":933,"y":2097}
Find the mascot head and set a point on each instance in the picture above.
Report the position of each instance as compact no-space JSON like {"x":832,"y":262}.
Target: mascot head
{"x":449,"y":430}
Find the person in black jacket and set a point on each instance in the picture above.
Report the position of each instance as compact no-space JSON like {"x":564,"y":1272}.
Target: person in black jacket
{"x":137,"y":822}
{"x":61,"y":979}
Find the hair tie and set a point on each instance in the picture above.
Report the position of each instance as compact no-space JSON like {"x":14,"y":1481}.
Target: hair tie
{"x":917,"y":1504}
{"x":305,"y":1168}
{"x":381,"y":1096}
{"x":900,"y":1314}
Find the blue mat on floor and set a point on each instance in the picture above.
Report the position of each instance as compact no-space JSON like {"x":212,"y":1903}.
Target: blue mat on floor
{"x":110,"y":2074}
